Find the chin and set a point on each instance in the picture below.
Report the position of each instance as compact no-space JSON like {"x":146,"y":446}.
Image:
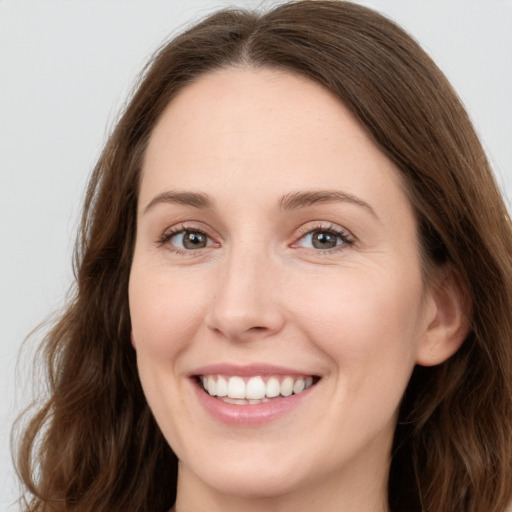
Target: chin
{"x":249,"y":479}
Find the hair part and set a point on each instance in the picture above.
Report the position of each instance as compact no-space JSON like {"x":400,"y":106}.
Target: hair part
{"x":94,"y":444}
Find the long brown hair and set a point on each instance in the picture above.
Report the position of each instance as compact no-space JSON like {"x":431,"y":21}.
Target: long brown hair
{"x":94,"y":445}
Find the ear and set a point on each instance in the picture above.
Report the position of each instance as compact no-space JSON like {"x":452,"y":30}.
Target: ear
{"x":132,"y":340}
{"x":449,"y":321}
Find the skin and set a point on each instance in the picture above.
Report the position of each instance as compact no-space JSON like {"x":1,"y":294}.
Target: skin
{"x":359,"y":315}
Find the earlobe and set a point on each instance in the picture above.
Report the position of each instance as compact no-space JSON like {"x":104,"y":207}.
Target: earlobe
{"x":450,"y":321}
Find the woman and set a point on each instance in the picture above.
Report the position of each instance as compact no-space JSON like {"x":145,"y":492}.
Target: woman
{"x":293,"y":277}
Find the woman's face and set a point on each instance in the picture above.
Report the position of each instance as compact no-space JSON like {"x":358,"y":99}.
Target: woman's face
{"x":276,"y":250}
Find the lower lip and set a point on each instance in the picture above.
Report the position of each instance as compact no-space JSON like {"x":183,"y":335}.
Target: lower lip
{"x":248,"y":415}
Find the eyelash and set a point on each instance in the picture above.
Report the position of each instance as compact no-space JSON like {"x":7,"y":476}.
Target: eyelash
{"x":176,"y":230}
{"x":345,"y":237}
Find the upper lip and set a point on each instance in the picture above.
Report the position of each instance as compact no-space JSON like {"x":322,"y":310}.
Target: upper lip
{"x":247,"y":370}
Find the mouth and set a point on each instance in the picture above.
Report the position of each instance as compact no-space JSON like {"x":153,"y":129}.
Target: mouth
{"x":254,"y":390}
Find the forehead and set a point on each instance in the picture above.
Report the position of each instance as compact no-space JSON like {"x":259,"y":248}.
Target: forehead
{"x":263,"y":131}
{"x":240,"y":104}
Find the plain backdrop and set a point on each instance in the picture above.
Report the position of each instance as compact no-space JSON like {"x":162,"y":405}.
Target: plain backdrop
{"x":65,"y":69}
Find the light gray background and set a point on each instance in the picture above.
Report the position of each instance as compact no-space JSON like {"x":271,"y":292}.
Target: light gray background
{"x":65,"y":68}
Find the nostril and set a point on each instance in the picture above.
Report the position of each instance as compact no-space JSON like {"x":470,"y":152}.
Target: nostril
{"x":243,"y":320}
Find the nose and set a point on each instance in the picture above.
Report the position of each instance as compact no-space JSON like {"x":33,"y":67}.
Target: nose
{"x":246,"y":303}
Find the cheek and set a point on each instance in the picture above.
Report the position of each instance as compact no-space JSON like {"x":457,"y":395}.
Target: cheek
{"x":165,"y":312}
{"x":367,"y":322}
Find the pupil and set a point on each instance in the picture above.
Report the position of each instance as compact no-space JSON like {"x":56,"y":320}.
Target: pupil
{"x":194,"y":241}
{"x":324,"y":240}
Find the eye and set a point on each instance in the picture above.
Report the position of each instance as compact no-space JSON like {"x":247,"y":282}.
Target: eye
{"x":324,"y":239}
{"x":188,"y":240}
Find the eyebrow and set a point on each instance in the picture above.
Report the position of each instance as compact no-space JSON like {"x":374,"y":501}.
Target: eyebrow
{"x":193,"y":199}
{"x":291,"y":201}
{"x":296,"y":200}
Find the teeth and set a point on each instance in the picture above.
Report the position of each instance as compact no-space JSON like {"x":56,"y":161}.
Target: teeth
{"x":287,"y":386}
{"x":236,"y":390}
{"x":273,"y":387}
{"x":236,"y":387}
{"x":298,"y":386}
{"x":222,"y":387}
{"x":236,"y":401}
{"x":255,"y":388}
{"x":211,"y":386}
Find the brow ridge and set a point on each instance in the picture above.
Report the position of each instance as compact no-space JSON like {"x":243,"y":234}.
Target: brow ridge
{"x":307,"y":198}
{"x":194,"y":199}
{"x":291,"y":201}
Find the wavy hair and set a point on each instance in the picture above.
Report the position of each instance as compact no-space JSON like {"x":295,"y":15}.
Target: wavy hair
{"x":94,"y":445}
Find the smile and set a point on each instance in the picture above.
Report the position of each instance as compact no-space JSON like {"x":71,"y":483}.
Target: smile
{"x":254,"y":390}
